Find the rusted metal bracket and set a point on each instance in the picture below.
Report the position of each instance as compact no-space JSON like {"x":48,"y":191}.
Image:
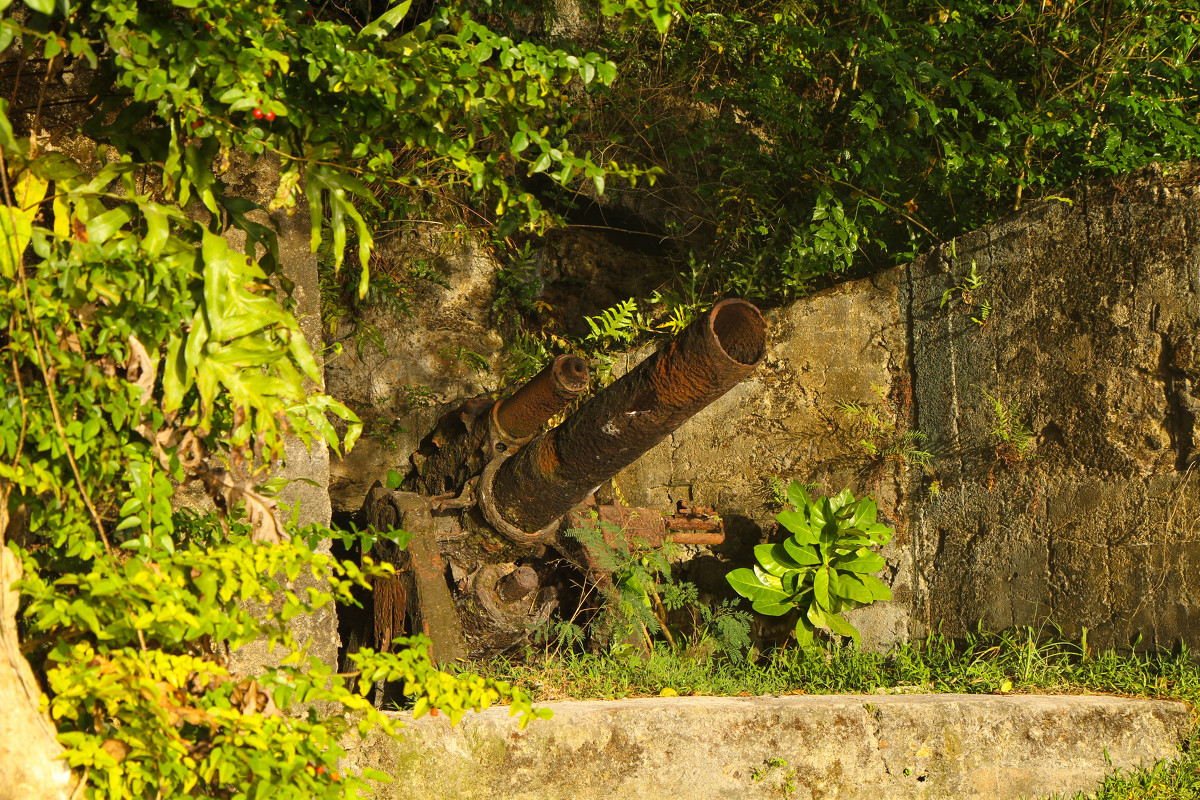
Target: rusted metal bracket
{"x":634,"y":528}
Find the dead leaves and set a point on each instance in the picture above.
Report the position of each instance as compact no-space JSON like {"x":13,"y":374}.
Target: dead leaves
{"x":224,"y":487}
{"x":227,"y":489}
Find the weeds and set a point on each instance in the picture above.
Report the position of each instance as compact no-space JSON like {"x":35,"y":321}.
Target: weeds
{"x":1015,"y":661}
{"x":1014,"y":442}
{"x":880,"y":435}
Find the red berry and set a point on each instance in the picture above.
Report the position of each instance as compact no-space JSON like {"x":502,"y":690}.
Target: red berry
{"x":270,"y":116}
{"x":321,"y":770}
{"x":258,"y":113}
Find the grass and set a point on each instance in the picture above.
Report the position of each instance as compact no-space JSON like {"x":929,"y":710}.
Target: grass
{"x":1013,"y":662}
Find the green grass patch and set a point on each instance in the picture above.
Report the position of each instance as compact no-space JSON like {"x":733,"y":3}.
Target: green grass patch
{"x":1018,"y":661}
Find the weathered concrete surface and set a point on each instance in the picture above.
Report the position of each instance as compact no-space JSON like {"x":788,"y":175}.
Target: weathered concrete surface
{"x":1089,"y":345}
{"x":306,"y":467}
{"x":428,"y":359}
{"x":1096,"y":316}
{"x":717,"y":748}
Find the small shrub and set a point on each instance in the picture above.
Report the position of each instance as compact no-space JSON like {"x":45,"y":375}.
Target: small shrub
{"x":823,"y":568}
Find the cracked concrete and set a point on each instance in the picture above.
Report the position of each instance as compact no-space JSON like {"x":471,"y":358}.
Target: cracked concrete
{"x":885,"y":747}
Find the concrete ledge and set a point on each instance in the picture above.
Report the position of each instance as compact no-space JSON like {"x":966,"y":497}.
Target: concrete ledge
{"x":710,"y":748}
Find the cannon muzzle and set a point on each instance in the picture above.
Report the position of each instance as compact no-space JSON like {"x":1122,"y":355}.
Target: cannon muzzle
{"x":524,"y":495}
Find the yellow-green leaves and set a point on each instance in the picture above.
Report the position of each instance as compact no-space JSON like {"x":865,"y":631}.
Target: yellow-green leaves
{"x":823,"y":567}
{"x":16,"y":220}
{"x":340,"y":190}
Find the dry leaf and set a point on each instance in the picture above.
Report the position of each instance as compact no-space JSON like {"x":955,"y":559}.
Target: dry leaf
{"x":226,"y":490}
{"x":115,"y":748}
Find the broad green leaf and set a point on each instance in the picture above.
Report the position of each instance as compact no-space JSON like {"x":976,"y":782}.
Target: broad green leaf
{"x":16,"y":221}
{"x":841,"y":499}
{"x":821,"y":587}
{"x":851,"y":586}
{"x":880,"y":533}
{"x":816,"y":514}
{"x":797,"y":524}
{"x":838,"y":624}
{"x":804,"y":632}
{"x":766,"y":578}
{"x":176,"y":376}
{"x":813,"y":612}
{"x":864,"y":514}
{"x":387,"y":21}
{"x":41,"y":6}
{"x":772,"y":603}
{"x":793,"y":581}
{"x":774,"y":559}
{"x":803,"y":554}
{"x":860,"y":562}
{"x":797,"y":495}
{"x":158,"y":228}
{"x":878,"y":589}
{"x":745,"y":582}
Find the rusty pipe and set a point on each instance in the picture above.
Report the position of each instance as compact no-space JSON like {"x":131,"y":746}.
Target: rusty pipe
{"x":517,"y":584}
{"x":550,"y":391}
{"x":557,"y":470}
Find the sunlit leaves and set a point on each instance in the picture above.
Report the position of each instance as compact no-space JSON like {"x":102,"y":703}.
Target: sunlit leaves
{"x":823,"y":568}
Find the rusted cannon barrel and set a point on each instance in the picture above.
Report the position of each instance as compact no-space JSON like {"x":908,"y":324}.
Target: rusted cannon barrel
{"x":550,"y":391}
{"x":523,"y":495}
{"x":468,"y":437}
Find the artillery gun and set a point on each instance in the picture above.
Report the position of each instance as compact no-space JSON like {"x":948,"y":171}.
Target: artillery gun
{"x":489,"y":496}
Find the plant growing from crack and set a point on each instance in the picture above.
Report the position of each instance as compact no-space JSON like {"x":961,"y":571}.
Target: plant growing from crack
{"x":785,"y":777}
{"x":1014,"y":442}
{"x":880,"y":434}
{"x":966,"y":289}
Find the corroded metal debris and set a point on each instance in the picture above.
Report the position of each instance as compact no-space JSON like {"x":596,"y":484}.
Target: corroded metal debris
{"x":633,"y":528}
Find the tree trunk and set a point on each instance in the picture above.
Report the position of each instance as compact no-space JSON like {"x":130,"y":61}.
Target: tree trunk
{"x":30,"y":764}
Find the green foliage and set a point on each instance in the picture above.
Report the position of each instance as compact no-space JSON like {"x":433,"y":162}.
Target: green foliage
{"x":615,"y":326}
{"x":1019,"y":660}
{"x":141,"y":349}
{"x":642,"y":597}
{"x":823,"y":568}
{"x":777,"y":772}
{"x":1014,"y":441}
{"x":813,"y":135}
{"x":966,"y":289}
{"x":880,"y":435}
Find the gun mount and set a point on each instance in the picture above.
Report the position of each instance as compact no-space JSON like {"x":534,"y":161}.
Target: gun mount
{"x":488,"y":494}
